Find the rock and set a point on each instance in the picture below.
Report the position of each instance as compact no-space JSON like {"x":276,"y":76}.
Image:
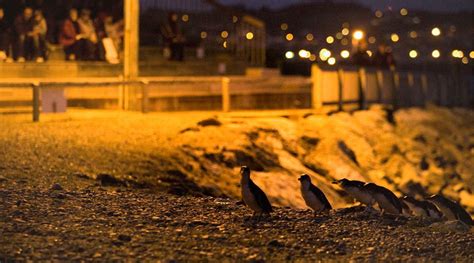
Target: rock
{"x":209,"y":122}
{"x":451,"y":226}
{"x":56,"y":187}
{"x":109,"y":180}
{"x":124,"y":238}
{"x":274,"y":243}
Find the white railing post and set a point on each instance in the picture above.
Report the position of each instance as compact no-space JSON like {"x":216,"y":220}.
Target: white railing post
{"x":225,"y":94}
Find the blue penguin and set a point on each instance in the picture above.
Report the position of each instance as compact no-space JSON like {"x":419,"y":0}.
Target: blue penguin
{"x":422,"y":208}
{"x":450,"y":209}
{"x":312,"y":195}
{"x":252,"y":195}
{"x":388,"y":202}
{"x":356,"y":190}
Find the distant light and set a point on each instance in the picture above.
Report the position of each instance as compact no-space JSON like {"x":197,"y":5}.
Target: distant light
{"x":224,"y":34}
{"x":416,"y":20}
{"x":345,"y":54}
{"x":413,"y":34}
{"x":284,"y":26}
{"x":249,"y":35}
{"x":413,"y":54}
{"x":289,"y":54}
{"x":185,"y":18}
{"x":372,"y":40}
{"x":435,"y":31}
{"x":345,"y":25}
{"x":369,"y":53}
{"x":344,"y":42}
{"x":457,"y":53}
{"x":435,"y":53}
{"x":309,"y":37}
{"x":465,"y":60}
{"x":331,"y":61}
{"x":339,"y":35}
{"x":471,"y":54}
{"x":452,"y":28}
{"x":394,"y":37}
{"x":330,"y":40}
{"x":324,"y":54}
{"x":304,"y":53}
{"x":358,"y":35}
{"x":224,"y":44}
{"x":403,"y":12}
{"x":345,"y":31}
{"x":203,"y":34}
{"x":378,"y":14}
{"x":289,"y":36}
{"x":235,"y":19}
{"x":312,"y":57}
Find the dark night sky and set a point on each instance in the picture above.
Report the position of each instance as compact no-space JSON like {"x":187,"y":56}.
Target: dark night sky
{"x":431,"y":5}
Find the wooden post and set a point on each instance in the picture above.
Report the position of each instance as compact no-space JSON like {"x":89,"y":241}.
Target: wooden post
{"x":36,"y":105}
{"x":132,"y":17}
{"x":362,"y":88}
{"x":379,"y":81}
{"x":395,"y":88}
{"x":145,"y":99}
{"x":316,"y":87}
{"x":340,"y":81}
{"x":225,"y":94}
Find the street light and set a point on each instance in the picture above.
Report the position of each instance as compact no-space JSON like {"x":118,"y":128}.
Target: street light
{"x":435,"y":31}
{"x":358,"y":35}
{"x":435,"y":53}
{"x":331,"y":61}
{"x":304,"y":53}
{"x":413,"y":53}
{"x":394,"y":37}
{"x":289,"y":36}
{"x":345,"y":54}
{"x":249,"y":35}
{"x":289,"y":54}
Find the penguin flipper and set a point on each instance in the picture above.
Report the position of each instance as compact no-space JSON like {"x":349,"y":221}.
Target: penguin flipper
{"x":261,"y":198}
{"x":320,"y":195}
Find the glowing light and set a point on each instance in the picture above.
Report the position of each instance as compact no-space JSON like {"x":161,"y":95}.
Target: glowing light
{"x":345,"y":54}
{"x":185,"y":18}
{"x":345,"y":31}
{"x":471,"y":54}
{"x":403,"y":12}
{"x":289,"y":54}
{"x":284,"y":26}
{"x":203,"y":34}
{"x":416,"y":20}
{"x":465,"y":60}
{"x":369,"y":53}
{"x":394,"y":37}
{"x":339,"y":35}
{"x":358,"y":35}
{"x":309,"y":37}
{"x":435,"y":31}
{"x":413,"y":53}
{"x":224,"y":34}
{"x":304,"y":53}
{"x":372,"y":40}
{"x":435,"y":53}
{"x":324,"y":54}
{"x":289,"y":36}
{"x":330,"y":40}
{"x":224,"y":44}
{"x":235,"y":19}
{"x":457,"y":53}
{"x":378,"y":14}
{"x":344,"y":42}
{"x":249,"y":35}
{"x":331,"y":61}
{"x":312,"y":57}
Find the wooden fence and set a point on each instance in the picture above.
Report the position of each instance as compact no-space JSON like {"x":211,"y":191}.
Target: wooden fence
{"x":342,"y":88}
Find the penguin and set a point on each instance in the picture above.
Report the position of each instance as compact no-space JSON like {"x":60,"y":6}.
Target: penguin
{"x":356,"y":190}
{"x":313,"y":196}
{"x":386,"y":199}
{"x":252,"y":195}
{"x":405,"y":208}
{"x":450,"y":209}
{"x":422,"y":208}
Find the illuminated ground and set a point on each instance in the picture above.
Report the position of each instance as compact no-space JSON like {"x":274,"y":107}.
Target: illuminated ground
{"x":163,"y":162}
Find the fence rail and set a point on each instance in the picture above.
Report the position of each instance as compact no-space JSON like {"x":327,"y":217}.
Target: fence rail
{"x":341,"y":87}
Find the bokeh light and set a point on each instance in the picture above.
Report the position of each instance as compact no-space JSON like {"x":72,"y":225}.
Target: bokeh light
{"x":284,"y":26}
{"x":249,"y":35}
{"x":378,"y":14}
{"x":394,"y":37}
{"x":436,"y":31}
{"x":358,"y":35}
{"x":203,"y":34}
{"x":324,"y":54}
{"x":435,"y":53}
{"x":309,"y":37}
{"x":413,"y":34}
{"x":345,"y":53}
{"x":465,"y":60}
{"x":224,"y":34}
{"x":289,"y":36}
{"x":403,"y":11}
{"x":304,"y":53}
{"x":331,"y":61}
{"x":289,"y":54}
{"x":345,"y":31}
{"x":413,"y":53}
{"x":330,"y":39}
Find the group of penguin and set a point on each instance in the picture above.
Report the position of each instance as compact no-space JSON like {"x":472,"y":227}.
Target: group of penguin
{"x":369,"y":194}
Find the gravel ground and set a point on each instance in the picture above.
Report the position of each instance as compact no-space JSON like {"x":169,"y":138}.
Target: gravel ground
{"x":117,"y":223}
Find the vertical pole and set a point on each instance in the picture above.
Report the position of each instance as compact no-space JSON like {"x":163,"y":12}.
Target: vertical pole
{"x":316,"y":87}
{"x":395,"y":89}
{"x":362,"y":88}
{"x":379,"y":81}
{"x":412,"y":96}
{"x":36,"y":106}
{"x":145,"y":99}
{"x":424,"y":87}
{"x":131,"y":46}
{"x":340,"y":81}
{"x":225,"y":94}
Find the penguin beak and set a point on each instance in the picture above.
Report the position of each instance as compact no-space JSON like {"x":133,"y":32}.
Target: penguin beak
{"x":299,"y":179}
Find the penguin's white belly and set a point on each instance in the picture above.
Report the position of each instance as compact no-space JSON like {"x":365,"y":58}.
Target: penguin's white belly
{"x":418,"y":211}
{"x":386,"y":205}
{"x":311,"y":200}
{"x":360,"y":196}
{"x":249,"y":199}
{"x":447,"y":213}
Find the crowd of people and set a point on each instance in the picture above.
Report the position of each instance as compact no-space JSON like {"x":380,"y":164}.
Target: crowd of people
{"x":82,"y":36}
{"x":383,"y":57}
